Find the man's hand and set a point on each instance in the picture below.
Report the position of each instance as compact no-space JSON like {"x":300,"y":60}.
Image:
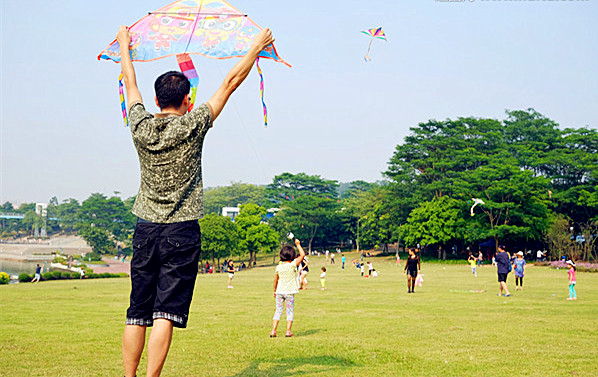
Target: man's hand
{"x":123,"y":36}
{"x":263,"y":39}
{"x":239,"y":73}
{"x":124,"y":40}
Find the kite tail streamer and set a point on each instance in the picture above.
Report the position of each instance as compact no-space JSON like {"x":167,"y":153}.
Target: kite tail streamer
{"x":257,"y":64}
{"x":367,"y":55}
{"x":188,"y":69}
{"x":123,"y":106}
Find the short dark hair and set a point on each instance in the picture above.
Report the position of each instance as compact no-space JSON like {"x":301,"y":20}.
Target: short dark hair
{"x":171,"y":88}
{"x":287,"y":253}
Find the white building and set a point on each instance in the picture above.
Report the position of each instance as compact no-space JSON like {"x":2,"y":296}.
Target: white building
{"x":231,"y":212}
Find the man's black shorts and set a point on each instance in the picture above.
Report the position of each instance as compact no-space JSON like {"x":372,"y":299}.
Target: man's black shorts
{"x":502,"y":277}
{"x":163,"y":272}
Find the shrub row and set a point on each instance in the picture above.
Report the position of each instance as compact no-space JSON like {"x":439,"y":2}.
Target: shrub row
{"x":579,"y":266}
{"x":58,"y":275}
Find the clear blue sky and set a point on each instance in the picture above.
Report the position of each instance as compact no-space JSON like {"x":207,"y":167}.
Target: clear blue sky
{"x":332,"y":114}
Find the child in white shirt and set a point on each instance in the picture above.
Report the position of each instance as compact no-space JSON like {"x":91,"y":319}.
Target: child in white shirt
{"x":285,"y":285}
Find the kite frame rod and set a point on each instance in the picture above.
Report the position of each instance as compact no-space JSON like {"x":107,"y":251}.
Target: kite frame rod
{"x":201,"y":13}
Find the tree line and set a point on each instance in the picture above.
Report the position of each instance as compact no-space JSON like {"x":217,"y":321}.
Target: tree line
{"x":538,"y":183}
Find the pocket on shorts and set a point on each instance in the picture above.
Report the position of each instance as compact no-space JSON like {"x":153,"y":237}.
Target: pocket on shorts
{"x":141,"y":252}
{"x":183,"y":250}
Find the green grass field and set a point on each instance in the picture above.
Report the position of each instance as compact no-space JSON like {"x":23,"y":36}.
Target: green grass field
{"x":357,"y":327}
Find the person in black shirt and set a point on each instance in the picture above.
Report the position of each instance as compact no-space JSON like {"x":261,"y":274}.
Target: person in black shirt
{"x":230,"y":268}
{"x":304,"y":270}
{"x":503,"y":262}
{"x":38,"y":271}
{"x":412,"y":267}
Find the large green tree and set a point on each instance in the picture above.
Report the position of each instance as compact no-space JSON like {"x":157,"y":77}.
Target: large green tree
{"x":219,"y":237}
{"x":254,"y":234}
{"x":287,"y":186}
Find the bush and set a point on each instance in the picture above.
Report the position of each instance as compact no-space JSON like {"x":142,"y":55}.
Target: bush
{"x":60,"y":275}
{"x":57,"y":275}
{"x":95,"y":257}
{"x":4,"y":278}
{"x":579,"y":266}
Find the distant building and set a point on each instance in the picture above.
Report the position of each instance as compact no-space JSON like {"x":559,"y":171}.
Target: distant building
{"x":231,"y":212}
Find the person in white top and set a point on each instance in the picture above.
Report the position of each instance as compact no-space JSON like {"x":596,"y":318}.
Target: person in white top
{"x":285,"y":285}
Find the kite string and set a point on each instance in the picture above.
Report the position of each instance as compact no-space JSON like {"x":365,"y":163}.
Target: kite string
{"x":121,"y":93}
{"x":257,"y":64}
{"x":245,"y":130}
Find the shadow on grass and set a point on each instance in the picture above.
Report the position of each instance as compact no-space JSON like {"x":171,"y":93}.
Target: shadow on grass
{"x":307,"y":332}
{"x":295,"y":366}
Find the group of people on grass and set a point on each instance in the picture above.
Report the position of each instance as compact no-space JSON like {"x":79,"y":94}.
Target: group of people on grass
{"x":505,"y":263}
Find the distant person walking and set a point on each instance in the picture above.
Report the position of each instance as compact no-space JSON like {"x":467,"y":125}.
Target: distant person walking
{"x":230,"y":268}
{"x":332,"y":258}
{"x":503,"y":266}
{"x":285,"y":285}
{"x":480,"y":259}
{"x":323,"y":278}
{"x":370,"y":268}
{"x":519,"y":267}
{"x":343,"y":259}
{"x":572,"y":280}
{"x":412,"y":267}
{"x":472,"y":263}
{"x":38,"y":271}
{"x":303,"y":271}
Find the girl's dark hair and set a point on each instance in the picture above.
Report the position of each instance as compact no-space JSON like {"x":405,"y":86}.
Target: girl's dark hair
{"x":171,"y":88}
{"x":287,"y":253}
{"x":324,"y":269}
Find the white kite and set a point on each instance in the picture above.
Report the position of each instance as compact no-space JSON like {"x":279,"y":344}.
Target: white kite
{"x":476,"y":201}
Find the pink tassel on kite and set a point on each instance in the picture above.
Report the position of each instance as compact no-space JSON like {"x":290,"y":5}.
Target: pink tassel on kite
{"x":188,"y":69}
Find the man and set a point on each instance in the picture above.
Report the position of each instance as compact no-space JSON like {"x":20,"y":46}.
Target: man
{"x":343,"y":260}
{"x":38,"y":271}
{"x":167,"y":237}
{"x":503,"y":262}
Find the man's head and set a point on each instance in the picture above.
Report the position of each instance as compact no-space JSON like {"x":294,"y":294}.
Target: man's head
{"x":501,"y":248}
{"x":171,"y":89}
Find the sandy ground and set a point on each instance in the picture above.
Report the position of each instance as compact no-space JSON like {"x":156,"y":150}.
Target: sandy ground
{"x":68,"y":245}
{"x":114,"y":266}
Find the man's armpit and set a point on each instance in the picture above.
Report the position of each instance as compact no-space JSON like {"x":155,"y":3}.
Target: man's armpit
{"x":210,"y":113}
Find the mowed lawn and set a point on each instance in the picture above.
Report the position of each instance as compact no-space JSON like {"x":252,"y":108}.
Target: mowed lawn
{"x":358,"y":327}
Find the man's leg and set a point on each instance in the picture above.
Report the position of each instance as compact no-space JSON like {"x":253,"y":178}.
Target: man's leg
{"x":158,"y":345}
{"x":133,"y":342}
{"x":503,"y":286}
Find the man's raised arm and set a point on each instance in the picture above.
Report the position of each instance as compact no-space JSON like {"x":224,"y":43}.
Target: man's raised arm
{"x":239,"y":72}
{"x":124,"y":40}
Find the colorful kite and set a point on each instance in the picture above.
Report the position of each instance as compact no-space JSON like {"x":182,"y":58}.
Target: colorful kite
{"x":476,"y":201}
{"x":212,"y":28}
{"x":376,"y":33}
